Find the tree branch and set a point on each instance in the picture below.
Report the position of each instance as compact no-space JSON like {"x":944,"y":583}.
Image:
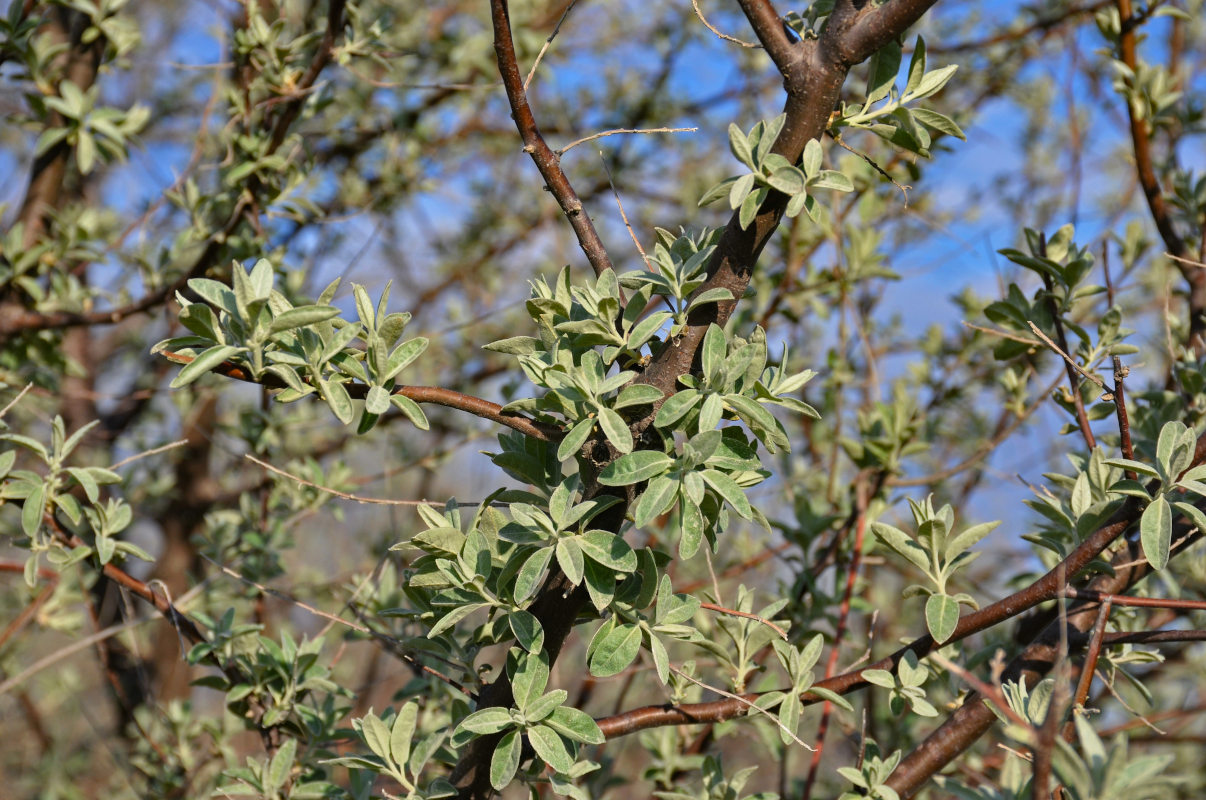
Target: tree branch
{"x":1146,"y":172}
{"x":434,"y":395}
{"x":1048,"y":587}
{"x":534,"y":145}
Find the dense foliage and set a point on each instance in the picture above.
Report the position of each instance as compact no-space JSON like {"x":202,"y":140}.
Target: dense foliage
{"x":793,"y":313}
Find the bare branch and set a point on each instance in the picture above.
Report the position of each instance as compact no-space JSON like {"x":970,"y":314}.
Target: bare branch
{"x":534,"y":144}
{"x":719,"y":34}
{"x":614,"y":131}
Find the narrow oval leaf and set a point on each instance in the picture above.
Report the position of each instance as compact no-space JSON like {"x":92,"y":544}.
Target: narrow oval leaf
{"x":1155,"y":532}
{"x":204,"y":362}
{"x":728,"y":489}
{"x":656,"y":500}
{"x":569,"y":558}
{"x":616,"y":651}
{"x":616,"y":430}
{"x":402,"y":732}
{"x":941,"y":616}
{"x":635,"y":467}
{"x":548,"y":745}
{"x":608,"y":549}
{"x":505,"y":761}
{"x":301,"y":317}
{"x":377,"y":400}
{"x":676,"y":407}
{"x":574,"y":724}
{"x":574,"y":440}
{"x":527,"y":629}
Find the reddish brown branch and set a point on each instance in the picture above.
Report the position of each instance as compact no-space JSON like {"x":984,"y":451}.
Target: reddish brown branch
{"x":1146,"y":173}
{"x":1048,"y":587}
{"x":1135,"y":602}
{"x":1153,"y":637}
{"x":547,"y":161}
{"x":434,"y":395}
{"x":860,"y":530}
{"x":1096,"y":640}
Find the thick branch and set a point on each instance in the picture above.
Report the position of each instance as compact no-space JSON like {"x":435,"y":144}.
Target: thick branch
{"x":865,"y":27}
{"x":542,"y":155}
{"x":772,"y":33}
{"x":813,"y":82}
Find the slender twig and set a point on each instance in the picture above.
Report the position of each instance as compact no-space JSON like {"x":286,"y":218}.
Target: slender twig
{"x":615,"y":131}
{"x":989,"y":691}
{"x":736,"y":569}
{"x":1013,"y":337}
{"x":719,"y":34}
{"x":1072,"y":592}
{"x":1064,"y":355}
{"x":547,"y":43}
{"x":623,"y":214}
{"x":839,"y":635}
{"x":1186,"y":261}
{"x":287,"y":598}
{"x":380,"y":501}
{"x":750,"y":707}
{"x":841,"y":142}
{"x":11,"y":403}
{"x":64,"y":652}
{"x":152,"y":452}
{"x":732,"y":612}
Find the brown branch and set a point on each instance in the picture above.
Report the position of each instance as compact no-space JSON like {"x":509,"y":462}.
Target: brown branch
{"x":839,"y":635}
{"x":534,"y":145}
{"x":970,"y":722}
{"x":1082,"y":418}
{"x":1133,"y":602}
{"x":772,"y":33}
{"x":1048,"y":587}
{"x":138,"y":588}
{"x":27,"y":614}
{"x":813,"y":73}
{"x":1153,"y":637}
{"x":1044,"y":742}
{"x":434,"y":395}
{"x":1146,"y":172}
{"x":1089,"y":668}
